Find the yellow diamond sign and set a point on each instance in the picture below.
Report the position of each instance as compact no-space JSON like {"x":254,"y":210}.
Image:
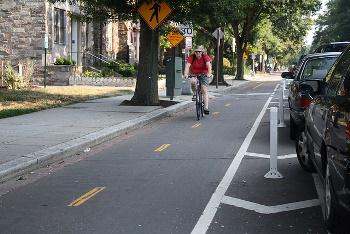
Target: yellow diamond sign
{"x":245,"y":55}
{"x":175,"y":38}
{"x":154,"y":12}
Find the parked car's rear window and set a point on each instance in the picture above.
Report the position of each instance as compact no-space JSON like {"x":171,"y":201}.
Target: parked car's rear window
{"x":335,"y":48}
{"x":339,"y":47}
{"x":316,"y":69}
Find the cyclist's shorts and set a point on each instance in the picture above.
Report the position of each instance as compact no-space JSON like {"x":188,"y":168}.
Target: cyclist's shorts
{"x":205,"y":80}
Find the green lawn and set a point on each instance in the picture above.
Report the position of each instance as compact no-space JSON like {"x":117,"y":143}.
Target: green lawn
{"x":18,"y":102}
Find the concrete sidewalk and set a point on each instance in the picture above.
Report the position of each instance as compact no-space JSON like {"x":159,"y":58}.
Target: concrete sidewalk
{"x":37,"y":139}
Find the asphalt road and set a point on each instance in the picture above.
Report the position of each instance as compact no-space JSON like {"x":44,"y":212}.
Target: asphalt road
{"x":177,"y":175}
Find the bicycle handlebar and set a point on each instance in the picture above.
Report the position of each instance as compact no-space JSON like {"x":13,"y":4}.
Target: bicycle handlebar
{"x":198,"y":76}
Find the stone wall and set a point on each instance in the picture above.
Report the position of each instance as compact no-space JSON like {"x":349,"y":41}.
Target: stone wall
{"x":59,"y":74}
{"x":22,"y":29}
{"x":103,"y":81}
{"x":109,"y":81}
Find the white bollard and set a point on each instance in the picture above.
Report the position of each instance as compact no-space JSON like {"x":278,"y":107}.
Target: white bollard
{"x":281,"y":109}
{"x":284,"y":87}
{"x":273,"y":173}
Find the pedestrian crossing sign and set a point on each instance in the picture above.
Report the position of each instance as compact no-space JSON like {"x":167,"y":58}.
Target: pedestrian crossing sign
{"x":175,"y":38}
{"x":154,"y":12}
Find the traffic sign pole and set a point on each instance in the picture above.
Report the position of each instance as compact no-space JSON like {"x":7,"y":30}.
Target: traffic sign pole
{"x":217,"y":58}
{"x":173,"y":80}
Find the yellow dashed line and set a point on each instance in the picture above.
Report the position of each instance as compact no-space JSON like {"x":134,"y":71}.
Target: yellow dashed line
{"x":83,"y":198}
{"x":196,"y":125}
{"x":162,"y":147}
{"x":228,"y":104}
{"x":216,"y":113}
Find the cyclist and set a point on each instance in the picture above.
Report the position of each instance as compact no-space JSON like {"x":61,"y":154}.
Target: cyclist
{"x":199,"y":63}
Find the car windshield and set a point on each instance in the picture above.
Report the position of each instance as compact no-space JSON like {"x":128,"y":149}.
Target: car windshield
{"x":317,"y":68}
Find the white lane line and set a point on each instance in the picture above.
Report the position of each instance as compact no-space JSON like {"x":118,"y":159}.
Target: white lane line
{"x":262,"y":209}
{"x":287,"y":156}
{"x":268,"y":156}
{"x":257,"y":86}
{"x":209,"y":212}
{"x":249,"y":94}
{"x":277,"y":86}
{"x":196,"y":125}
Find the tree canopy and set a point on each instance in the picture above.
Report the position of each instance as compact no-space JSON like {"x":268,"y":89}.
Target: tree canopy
{"x":288,"y":19}
{"x":334,"y":24}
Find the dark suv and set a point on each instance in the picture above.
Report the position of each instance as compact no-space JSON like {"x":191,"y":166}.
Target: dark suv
{"x":312,"y":67}
{"x":324,"y":145}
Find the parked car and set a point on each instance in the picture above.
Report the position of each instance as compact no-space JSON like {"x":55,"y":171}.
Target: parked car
{"x":333,"y":47}
{"x":324,"y":145}
{"x":312,"y":67}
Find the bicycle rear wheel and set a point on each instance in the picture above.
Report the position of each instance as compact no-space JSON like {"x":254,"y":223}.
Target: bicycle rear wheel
{"x":198,"y":105}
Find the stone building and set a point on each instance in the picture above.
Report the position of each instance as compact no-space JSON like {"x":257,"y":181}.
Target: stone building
{"x":24,"y":24}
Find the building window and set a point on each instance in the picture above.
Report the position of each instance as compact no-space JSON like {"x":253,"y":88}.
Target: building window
{"x":59,"y":26}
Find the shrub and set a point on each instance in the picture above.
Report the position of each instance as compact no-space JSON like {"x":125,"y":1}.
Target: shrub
{"x":91,"y":74}
{"x":64,"y":61}
{"x":59,"y":61}
{"x":127,"y":70}
{"x":11,"y":78}
{"x":114,"y":65}
{"x":107,"y":72}
{"x":28,"y":70}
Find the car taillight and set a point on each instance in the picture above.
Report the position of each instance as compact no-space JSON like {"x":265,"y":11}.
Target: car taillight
{"x":347,"y":130}
{"x":304,"y":102}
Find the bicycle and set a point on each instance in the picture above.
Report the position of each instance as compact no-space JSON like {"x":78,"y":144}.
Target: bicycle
{"x":199,"y":95}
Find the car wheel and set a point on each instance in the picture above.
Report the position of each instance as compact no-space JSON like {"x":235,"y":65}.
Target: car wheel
{"x":292,"y":127}
{"x":303,"y":154}
{"x":329,"y":213}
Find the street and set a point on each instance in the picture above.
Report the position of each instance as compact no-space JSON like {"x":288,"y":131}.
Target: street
{"x":176,"y":175}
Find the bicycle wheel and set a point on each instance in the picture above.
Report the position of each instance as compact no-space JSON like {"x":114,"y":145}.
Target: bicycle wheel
{"x":198,"y":105}
{"x":201,"y":101}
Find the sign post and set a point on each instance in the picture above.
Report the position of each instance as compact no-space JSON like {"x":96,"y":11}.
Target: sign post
{"x":174,"y":38}
{"x":46,"y":45}
{"x":218,"y":34}
{"x":252,"y":55}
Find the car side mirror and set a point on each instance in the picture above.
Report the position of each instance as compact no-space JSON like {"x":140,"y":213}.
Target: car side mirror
{"x":287,"y":75}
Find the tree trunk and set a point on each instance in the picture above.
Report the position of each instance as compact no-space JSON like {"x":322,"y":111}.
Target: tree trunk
{"x":220,"y":58}
{"x":146,"y":91}
{"x":240,"y":65}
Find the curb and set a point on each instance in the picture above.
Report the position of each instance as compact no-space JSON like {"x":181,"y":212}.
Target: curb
{"x":55,"y":153}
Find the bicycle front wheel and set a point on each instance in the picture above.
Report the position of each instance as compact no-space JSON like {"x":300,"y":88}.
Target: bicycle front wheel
{"x":198,"y":105}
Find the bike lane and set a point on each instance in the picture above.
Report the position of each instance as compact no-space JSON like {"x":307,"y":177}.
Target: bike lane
{"x":247,"y":202}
